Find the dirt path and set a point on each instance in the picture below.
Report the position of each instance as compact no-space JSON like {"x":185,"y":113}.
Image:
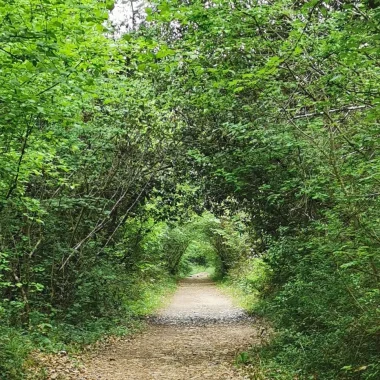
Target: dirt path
{"x":196,"y":337}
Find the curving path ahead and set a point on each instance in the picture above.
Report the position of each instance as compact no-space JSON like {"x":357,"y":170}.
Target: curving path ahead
{"x":196,"y":337}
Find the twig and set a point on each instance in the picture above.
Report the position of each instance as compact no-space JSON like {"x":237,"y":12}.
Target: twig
{"x":323,"y":113}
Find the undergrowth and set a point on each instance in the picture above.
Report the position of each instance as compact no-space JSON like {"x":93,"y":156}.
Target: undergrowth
{"x":17,"y":344}
{"x":318,"y":334}
{"x":245,"y":282}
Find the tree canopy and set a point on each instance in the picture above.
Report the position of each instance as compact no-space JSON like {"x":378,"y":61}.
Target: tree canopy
{"x":262,"y":113}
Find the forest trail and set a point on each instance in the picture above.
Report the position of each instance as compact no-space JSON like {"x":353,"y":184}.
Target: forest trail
{"x":197,"y":336}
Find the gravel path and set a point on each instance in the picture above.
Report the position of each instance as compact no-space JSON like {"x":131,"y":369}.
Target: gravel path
{"x":196,"y":337}
{"x":198,"y":301}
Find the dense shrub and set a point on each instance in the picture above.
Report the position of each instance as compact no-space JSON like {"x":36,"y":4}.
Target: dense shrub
{"x":14,"y":350}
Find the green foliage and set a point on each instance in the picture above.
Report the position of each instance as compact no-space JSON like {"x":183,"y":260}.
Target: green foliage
{"x":248,"y":281}
{"x":200,"y":254}
{"x":232,"y":244}
{"x":326,"y":315}
{"x":14,"y":350}
{"x":279,"y":102}
{"x":265,"y":114}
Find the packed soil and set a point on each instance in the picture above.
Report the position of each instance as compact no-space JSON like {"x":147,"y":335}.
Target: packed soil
{"x":197,"y":336}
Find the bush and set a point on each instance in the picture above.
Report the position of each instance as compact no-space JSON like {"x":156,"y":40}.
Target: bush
{"x":323,"y":313}
{"x":14,"y":349}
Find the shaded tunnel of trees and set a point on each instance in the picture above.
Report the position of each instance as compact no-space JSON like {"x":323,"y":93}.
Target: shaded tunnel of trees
{"x":248,"y":130}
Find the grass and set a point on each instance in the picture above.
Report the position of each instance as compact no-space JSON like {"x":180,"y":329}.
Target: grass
{"x":153,"y":297}
{"x":245,"y":300}
{"x":17,"y":345}
{"x":201,"y":269}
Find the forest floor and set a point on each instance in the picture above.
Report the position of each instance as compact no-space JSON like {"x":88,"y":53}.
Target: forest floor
{"x":197,"y":336}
